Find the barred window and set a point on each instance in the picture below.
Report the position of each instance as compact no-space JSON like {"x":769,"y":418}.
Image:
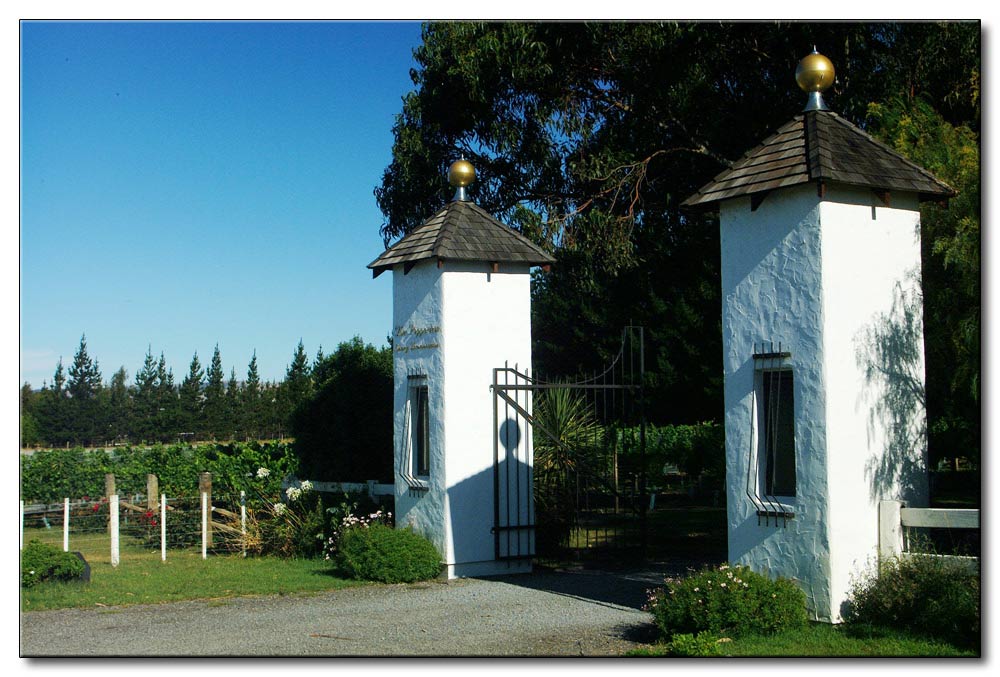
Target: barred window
{"x":420,"y":395}
{"x":778,"y":438}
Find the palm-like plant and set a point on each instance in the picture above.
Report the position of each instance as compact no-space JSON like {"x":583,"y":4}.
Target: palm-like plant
{"x":566,"y":441}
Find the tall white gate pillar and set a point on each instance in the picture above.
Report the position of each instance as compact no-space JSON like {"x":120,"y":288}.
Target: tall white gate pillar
{"x":461,"y":306}
{"x":822,"y":344}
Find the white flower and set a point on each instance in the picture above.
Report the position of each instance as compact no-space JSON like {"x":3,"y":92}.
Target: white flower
{"x":723,"y":585}
{"x":293,"y":493}
{"x":306,"y":485}
{"x":696,"y":589}
{"x":279,"y":508}
{"x":262,"y":473}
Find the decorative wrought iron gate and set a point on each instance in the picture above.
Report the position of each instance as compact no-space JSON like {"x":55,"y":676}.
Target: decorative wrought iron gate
{"x":569,"y":459}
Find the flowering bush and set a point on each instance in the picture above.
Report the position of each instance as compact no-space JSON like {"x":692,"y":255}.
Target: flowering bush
{"x":348,"y":520}
{"x":730,"y":600}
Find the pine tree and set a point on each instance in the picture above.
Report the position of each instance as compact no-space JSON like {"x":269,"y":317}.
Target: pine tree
{"x":29,"y":424}
{"x":146,"y":401}
{"x":84,"y":374}
{"x":251,"y":409}
{"x":192,"y":399}
{"x":87,"y":421}
{"x":273,"y":420}
{"x":52,"y":410}
{"x":297,"y":387}
{"x":170,"y":408}
{"x":59,"y":379}
{"x":232,"y":418}
{"x":215,"y":397}
{"x":119,"y":405}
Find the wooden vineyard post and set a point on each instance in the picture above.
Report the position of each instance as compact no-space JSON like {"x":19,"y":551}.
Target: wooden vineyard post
{"x":109,"y":491}
{"x":152,"y":491}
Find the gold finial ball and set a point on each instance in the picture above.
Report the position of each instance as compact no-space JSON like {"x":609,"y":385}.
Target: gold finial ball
{"x":461,"y":173}
{"x":814,"y":73}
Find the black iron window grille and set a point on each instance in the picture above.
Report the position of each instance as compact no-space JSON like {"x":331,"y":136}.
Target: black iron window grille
{"x":422,"y":441}
{"x":414,"y":452}
{"x":771,"y":465}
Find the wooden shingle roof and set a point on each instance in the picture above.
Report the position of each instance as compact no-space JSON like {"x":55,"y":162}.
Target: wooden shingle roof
{"x":820,"y":146}
{"x":461,"y":231}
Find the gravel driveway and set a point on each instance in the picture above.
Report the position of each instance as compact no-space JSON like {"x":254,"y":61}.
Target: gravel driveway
{"x":546,"y":613}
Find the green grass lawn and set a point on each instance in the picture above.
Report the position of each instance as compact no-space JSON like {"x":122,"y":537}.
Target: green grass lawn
{"x":142,"y":578}
{"x":824,"y":640}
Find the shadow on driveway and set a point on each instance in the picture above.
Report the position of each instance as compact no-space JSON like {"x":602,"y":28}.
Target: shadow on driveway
{"x":612,"y":587}
{"x":622,"y":587}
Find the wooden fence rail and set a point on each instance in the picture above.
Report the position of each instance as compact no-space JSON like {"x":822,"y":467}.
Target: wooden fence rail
{"x":894,"y":517}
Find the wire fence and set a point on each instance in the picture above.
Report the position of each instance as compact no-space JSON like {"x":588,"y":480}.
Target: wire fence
{"x":109,"y":528}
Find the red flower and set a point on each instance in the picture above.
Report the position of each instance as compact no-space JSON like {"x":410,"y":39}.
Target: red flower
{"x":97,"y":507}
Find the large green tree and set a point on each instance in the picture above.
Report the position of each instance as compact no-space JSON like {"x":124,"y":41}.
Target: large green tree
{"x":951,"y":272}
{"x":343,"y":432}
{"x":586,"y":137}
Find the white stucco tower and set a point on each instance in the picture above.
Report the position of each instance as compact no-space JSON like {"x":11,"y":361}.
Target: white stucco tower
{"x":822,"y":344}
{"x":461,"y":306}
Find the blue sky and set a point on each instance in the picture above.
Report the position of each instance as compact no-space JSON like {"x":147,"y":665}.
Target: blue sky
{"x":187,"y":184}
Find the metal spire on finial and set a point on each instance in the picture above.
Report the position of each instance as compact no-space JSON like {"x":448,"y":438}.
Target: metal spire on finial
{"x":460,"y":175}
{"x":815,"y":74}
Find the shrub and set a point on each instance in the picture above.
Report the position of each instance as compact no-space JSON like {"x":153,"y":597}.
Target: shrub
{"x":381,"y":553}
{"x":686,"y":644}
{"x":728,"y":600}
{"x":929,"y":595}
{"x":41,"y":562}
